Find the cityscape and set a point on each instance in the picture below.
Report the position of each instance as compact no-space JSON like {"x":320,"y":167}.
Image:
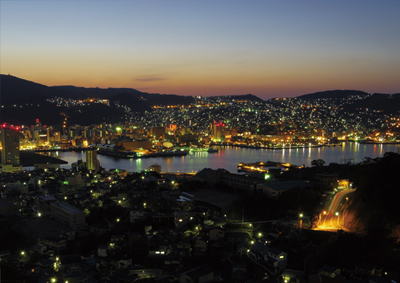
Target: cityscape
{"x":195,"y":142}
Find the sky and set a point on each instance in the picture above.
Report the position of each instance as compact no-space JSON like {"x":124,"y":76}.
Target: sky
{"x":268,"y":48}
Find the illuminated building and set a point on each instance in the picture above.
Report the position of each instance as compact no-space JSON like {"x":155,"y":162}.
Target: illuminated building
{"x":158,"y":132}
{"x":155,"y":167}
{"x":92,"y":163}
{"x":218,"y":131}
{"x":10,"y":149}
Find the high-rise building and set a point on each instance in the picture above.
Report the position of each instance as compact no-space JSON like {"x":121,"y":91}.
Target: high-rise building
{"x":10,"y":149}
{"x":92,"y":163}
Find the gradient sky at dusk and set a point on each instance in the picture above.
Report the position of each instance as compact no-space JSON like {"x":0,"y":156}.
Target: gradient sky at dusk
{"x":267,"y":48}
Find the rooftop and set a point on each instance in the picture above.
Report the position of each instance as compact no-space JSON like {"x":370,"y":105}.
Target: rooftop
{"x":68,"y":207}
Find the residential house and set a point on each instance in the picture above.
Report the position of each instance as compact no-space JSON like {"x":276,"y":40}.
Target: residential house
{"x":158,"y":245}
{"x":54,"y":242}
{"x":200,"y":246}
{"x":201,"y":274}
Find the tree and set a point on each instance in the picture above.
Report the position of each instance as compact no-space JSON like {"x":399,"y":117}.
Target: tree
{"x":318,"y":162}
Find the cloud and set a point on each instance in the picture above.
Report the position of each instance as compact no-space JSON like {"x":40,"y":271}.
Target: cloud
{"x":149,"y":79}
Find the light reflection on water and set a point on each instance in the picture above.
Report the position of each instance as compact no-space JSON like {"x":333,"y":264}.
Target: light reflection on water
{"x":229,"y":157}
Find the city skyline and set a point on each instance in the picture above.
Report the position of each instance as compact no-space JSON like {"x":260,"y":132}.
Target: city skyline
{"x":267,"y":48}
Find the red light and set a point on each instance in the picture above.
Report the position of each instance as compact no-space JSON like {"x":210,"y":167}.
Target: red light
{"x":215,"y":122}
{"x":223,"y":124}
{"x":3,"y":126}
{"x":17,"y":128}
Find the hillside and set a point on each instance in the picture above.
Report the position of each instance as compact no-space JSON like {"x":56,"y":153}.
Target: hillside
{"x":380,"y":102}
{"x":15,"y":90}
{"x":333,"y":94}
{"x":375,"y":203}
{"x":24,"y":101}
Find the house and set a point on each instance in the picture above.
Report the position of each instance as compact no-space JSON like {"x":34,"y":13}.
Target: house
{"x":236,"y":237}
{"x":181,"y":218}
{"x":201,"y":274}
{"x":7,"y":207}
{"x":272,"y":256}
{"x":367,"y":269}
{"x":199,"y":246}
{"x":276,"y":189}
{"x":138,"y":215}
{"x":158,"y":245}
{"x":55,"y":242}
{"x":182,"y":249}
{"x":330,"y":271}
{"x":199,"y":210}
{"x":216,"y":234}
{"x":378,"y":279}
{"x":277,"y":257}
{"x":68,"y":234}
{"x":318,"y":278}
{"x":102,"y":250}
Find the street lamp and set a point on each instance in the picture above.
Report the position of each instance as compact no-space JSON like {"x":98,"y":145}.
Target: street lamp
{"x":300,"y":220}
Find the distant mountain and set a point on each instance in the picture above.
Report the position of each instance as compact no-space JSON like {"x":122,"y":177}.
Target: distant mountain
{"x":387,"y":103}
{"x":15,"y":90}
{"x":74,"y":92}
{"x":24,"y":101}
{"x":334,"y":94}
{"x":249,"y":97}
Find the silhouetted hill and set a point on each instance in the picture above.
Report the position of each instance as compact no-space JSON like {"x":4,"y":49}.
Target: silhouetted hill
{"x":333,"y":94}
{"x":94,"y":113}
{"x":249,"y":97}
{"x":47,"y":113}
{"x":169,"y":99}
{"x":24,"y":101}
{"x":82,"y":92}
{"x":389,"y":104}
{"x":375,"y":202}
{"x":15,"y":90}
{"x":131,"y":101}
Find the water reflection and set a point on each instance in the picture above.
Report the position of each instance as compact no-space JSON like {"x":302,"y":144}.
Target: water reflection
{"x":229,"y":157}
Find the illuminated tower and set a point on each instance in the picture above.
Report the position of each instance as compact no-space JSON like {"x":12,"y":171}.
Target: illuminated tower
{"x":92,"y":163}
{"x":10,"y":149}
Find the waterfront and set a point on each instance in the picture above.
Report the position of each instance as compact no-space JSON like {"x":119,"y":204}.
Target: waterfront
{"x":229,"y":157}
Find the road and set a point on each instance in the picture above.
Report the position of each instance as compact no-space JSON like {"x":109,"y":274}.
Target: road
{"x":334,"y":218}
